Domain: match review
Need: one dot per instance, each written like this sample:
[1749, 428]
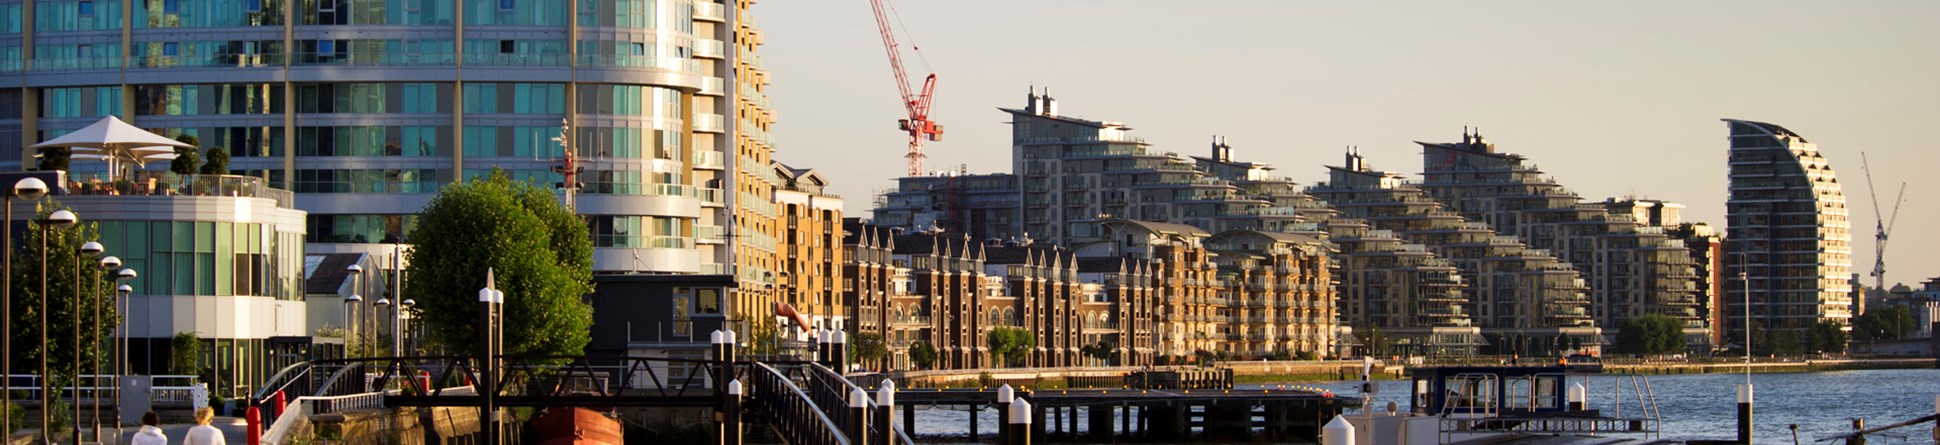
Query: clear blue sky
[1611, 98]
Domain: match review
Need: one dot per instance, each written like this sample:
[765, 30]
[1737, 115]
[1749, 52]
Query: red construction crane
[918, 125]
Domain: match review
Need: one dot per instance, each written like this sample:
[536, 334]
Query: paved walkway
[232, 431]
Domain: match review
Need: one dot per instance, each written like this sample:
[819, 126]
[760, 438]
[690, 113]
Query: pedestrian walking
[151, 431]
[203, 433]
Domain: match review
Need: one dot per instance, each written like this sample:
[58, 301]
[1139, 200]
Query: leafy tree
[1827, 337]
[868, 348]
[1885, 323]
[96, 285]
[1105, 351]
[923, 354]
[55, 158]
[538, 251]
[186, 158]
[185, 354]
[1376, 342]
[1652, 334]
[217, 162]
[1010, 344]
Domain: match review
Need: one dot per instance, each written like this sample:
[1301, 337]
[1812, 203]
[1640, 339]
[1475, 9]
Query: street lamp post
[61, 218]
[88, 250]
[94, 339]
[398, 329]
[350, 307]
[30, 189]
[382, 303]
[122, 292]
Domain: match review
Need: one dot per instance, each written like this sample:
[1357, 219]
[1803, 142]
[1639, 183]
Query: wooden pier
[1138, 415]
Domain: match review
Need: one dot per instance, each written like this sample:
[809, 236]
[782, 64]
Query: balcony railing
[170, 184]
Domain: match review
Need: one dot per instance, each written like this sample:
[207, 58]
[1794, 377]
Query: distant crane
[1884, 224]
[918, 124]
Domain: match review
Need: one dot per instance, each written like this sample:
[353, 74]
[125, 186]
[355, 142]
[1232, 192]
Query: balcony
[710, 160]
[709, 49]
[709, 123]
[710, 12]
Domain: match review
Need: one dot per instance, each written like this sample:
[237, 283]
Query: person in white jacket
[203, 433]
[151, 431]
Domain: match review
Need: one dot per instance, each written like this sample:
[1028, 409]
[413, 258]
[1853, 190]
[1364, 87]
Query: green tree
[1653, 334]
[217, 162]
[185, 354]
[868, 348]
[1010, 344]
[923, 354]
[96, 286]
[55, 158]
[187, 160]
[1376, 342]
[1827, 337]
[538, 251]
[1105, 351]
[1884, 323]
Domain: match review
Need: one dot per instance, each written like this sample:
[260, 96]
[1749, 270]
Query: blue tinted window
[254, 5]
[170, 49]
[508, 5]
[172, 6]
[86, 8]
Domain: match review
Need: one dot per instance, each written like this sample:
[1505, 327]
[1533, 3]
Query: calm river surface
[1694, 406]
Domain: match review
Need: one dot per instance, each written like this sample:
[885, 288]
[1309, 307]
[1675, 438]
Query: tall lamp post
[30, 189]
[60, 218]
[122, 293]
[88, 250]
[95, 341]
[382, 303]
[350, 307]
[398, 329]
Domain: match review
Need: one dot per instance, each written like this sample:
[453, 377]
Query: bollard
[1337, 432]
[839, 351]
[731, 426]
[1019, 423]
[822, 347]
[1004, 396]
[254, 432]
[1744, 413]
[1858, 425]
[885, 409]
[280, 403]
[859, 411]
[1579, 396]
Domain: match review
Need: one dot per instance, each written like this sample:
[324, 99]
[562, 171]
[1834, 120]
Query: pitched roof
[326, 274]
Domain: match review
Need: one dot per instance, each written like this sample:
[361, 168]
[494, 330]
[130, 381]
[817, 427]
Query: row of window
[215, 99]
[408, 141]
[207, 258]
[86, 15]
[360, 228]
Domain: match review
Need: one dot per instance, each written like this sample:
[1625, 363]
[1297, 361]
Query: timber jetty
[1162, 405]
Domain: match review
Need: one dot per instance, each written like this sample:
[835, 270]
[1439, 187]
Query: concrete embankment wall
[1799, 366]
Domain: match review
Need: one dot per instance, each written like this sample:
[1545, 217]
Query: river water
[1693, 406]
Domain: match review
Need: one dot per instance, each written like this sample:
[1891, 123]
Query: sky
[1612, 99]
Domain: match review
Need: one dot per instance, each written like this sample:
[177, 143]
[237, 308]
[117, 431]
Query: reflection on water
[1693, 406]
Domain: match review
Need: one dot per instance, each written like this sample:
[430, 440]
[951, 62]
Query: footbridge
[802, 402]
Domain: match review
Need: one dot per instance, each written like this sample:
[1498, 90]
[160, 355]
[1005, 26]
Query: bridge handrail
[792, 413]
[820, 375]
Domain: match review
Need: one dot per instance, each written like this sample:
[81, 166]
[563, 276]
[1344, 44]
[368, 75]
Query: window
[507, 46]
[86, 8]
[507, 5]
[172, 6]
[254, 5]
[326, 47]
[170, 49]
[322, 5]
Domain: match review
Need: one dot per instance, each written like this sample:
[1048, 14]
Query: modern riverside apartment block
[1510, 289]
[1787, 235]
[1632, 268]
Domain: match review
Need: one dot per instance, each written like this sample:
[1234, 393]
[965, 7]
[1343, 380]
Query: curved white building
[1787, 232]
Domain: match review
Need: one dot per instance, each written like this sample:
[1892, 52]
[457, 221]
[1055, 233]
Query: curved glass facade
[1788, 232]
[339, 100]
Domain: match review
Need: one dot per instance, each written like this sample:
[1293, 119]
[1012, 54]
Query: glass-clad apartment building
[1787, 233]
[217, 256]
[364, 108]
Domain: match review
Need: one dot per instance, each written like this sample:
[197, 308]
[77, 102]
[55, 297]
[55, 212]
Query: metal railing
[791, 411]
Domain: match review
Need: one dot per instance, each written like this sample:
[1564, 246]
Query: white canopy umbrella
[112, 140]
